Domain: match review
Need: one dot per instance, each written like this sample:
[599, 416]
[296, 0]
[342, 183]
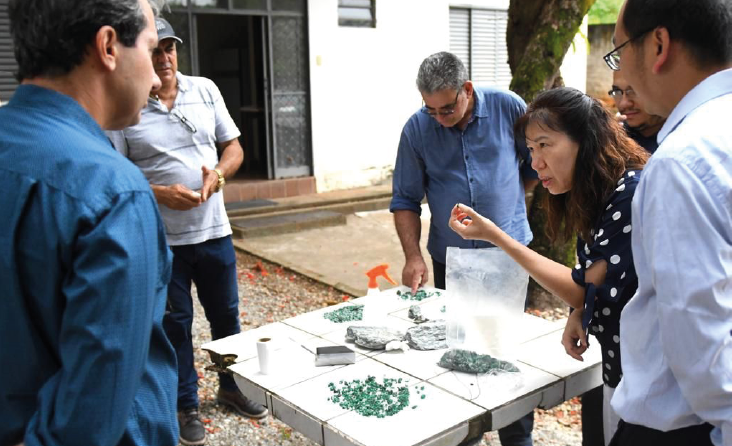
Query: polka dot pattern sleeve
[611, 241]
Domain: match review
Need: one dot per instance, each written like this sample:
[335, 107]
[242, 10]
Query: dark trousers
[211, 265]
[635, 435]
[592, 428]
[517, 433]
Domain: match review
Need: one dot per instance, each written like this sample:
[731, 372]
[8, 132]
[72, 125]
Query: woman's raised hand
[470, 225]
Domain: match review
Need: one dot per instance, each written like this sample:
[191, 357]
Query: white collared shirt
[676, 331]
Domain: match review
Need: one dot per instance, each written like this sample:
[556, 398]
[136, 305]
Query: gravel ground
[268, 293]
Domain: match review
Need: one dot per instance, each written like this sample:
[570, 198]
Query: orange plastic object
[377, 271]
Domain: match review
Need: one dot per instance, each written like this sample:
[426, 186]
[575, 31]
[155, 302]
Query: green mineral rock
[472, 362]
[418, 296]
[345, 314]
[371, 398]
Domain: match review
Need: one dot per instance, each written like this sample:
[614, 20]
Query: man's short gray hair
[441, 71]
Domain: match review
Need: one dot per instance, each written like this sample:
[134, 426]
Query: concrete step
[347, 201]
[261, 217]
[283, 223]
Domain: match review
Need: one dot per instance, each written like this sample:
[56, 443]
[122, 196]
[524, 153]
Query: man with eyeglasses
[186, 145]
[460, 148]
[642, 126]
[676, 333]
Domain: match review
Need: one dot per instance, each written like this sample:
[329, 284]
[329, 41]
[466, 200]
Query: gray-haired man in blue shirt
[460, 148]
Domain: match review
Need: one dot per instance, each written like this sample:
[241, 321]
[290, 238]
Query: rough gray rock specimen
[415, 312]
[472, 362]
[374, 338]
[428, 336]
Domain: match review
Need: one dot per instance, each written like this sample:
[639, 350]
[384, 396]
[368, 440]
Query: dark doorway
[231, 53]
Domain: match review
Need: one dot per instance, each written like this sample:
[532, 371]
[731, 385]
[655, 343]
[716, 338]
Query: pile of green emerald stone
[419, 295]
[371, 398]
[472, 362]
[345, 314]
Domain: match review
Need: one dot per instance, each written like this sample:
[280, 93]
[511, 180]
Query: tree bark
[538, 36]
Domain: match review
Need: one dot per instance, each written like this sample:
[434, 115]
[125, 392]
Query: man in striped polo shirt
[186, 145]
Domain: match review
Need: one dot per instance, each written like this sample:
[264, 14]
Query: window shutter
[489, 54]
[478, 38]
[7, 56]
[460, 35]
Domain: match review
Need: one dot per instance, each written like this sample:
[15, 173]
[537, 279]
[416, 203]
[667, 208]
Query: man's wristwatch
[222, 180]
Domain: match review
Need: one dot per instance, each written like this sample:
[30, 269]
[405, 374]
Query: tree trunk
[538, 36]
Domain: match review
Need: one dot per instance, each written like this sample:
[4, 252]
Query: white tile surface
[438, 412]
[244, 344]
[547, 353]
[388, 301]
[530, 327]
[297, 392]
[533, 327]
[492, 392]
[421, 364]
[290, 365]
[312, 396]
[375, 311]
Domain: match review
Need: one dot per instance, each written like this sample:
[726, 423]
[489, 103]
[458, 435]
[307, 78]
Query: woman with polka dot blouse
[590, 168]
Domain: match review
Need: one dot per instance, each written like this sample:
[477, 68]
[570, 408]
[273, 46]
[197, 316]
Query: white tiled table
[458, 406]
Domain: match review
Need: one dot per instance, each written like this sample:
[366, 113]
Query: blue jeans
[517, 433]
[211, 265]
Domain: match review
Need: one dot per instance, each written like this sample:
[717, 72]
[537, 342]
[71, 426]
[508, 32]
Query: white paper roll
[264, 349]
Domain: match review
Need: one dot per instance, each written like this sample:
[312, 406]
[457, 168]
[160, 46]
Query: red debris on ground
[259, 267]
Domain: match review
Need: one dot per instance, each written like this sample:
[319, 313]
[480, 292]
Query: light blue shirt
[675, 338]
[479, 166]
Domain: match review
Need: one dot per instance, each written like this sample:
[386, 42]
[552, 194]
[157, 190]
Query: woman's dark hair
[605, 153]
[704, 26]
[51, 38]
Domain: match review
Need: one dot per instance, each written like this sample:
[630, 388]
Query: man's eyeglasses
[445, 111]
[183, 120]
[617, 94]
[612, 59]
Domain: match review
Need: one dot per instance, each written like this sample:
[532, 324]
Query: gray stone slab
[373, 338]
[249, 204]
[244, 227]
[428, 336]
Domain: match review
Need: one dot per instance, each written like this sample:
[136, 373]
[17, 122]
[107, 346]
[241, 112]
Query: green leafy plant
[604, 12]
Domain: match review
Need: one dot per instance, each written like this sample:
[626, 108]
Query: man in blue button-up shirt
[84, 266]
[460, 148]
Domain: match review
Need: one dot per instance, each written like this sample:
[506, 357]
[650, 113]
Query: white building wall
[362, 83]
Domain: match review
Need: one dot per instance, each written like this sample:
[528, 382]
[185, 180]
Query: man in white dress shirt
[677, 351]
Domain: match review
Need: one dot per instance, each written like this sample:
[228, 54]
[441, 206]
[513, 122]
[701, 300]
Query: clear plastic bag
[487, 292]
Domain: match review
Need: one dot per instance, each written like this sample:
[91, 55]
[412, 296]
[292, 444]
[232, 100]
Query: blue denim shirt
[482, 166]
[84, 269]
